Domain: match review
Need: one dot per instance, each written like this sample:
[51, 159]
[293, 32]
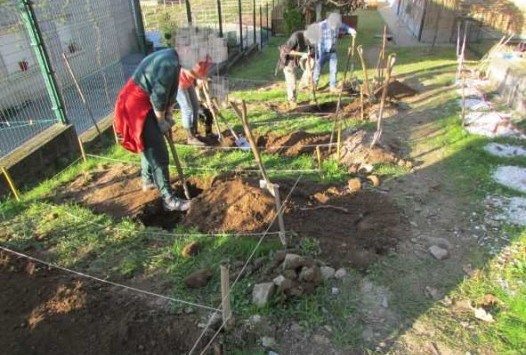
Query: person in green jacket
[143, 116]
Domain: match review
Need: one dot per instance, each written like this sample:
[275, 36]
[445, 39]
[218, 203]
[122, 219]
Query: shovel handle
[178, 165]
[248, 133]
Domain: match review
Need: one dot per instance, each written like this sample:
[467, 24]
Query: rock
[384, 302]
[215, 320]
[321, 339]
[198, 278]
[272, 353]
[279, 257]
[432, 292]
[340, 273]
[311, 274]
[354, 184]
[255, 319]
[279, 280]
[294, 261]
[335, 291]
[261, 293]
[480, 313]
[327, 272]
[290, 274]
[438, 252]
[268, 342]
[190, 249]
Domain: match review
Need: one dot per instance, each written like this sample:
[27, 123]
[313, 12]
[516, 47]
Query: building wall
[497, 16]
[440, 22]
[506, 16]
[89, 41]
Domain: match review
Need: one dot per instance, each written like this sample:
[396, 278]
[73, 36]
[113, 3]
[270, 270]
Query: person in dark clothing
[143, 115]
[295, 53]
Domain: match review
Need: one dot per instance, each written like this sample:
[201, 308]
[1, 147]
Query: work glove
[166, 125]
[352, 32]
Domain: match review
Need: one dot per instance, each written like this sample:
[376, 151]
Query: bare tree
[311, 9]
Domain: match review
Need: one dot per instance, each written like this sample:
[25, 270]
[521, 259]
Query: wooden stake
[390, 63]
[359, 49]
[272, 188]
[318, 155]
[115, 135]
[361, 104]
[339, 146]
[225, 297]
[81, 145]
[82, 97]
[11, 183]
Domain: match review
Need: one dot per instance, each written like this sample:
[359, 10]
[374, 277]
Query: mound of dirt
[116, 189]
[295, 143]
[397, 90]
[353, 229]
[231, 206]
[45, 311]
[356, 150]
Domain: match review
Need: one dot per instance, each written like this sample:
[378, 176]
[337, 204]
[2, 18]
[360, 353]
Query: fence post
[271, 18]
[266, 32]
[220, 17]
[37, 42]
[188, 12]
[139, 25]
[254, 20]
[240, 26]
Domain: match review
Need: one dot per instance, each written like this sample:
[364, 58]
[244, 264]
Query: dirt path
[45, 311]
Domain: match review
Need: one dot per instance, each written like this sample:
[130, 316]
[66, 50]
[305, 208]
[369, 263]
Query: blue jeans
[333, 67]
[189, 105]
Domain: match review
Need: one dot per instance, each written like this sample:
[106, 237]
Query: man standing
[143, 116]
[296, 50]
[188, 100]
[330, 29]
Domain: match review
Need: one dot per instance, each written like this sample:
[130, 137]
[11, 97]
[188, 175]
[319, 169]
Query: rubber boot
[208, 131]
[192, 139]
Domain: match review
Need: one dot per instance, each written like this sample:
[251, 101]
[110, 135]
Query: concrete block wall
[40, 158]
[510, 82]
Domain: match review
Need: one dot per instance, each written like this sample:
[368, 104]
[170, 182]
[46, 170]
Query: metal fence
[241, 22]
[96, 38]
[51, 49]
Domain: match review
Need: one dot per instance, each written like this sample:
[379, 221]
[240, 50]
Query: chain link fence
[91, 42]
[242, 23]
[67, 59]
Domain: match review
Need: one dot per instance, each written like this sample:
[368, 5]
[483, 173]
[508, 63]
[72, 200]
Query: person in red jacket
[188, 100]
[143, 115]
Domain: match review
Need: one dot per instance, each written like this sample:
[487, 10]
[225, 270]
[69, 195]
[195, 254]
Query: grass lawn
[125, 250]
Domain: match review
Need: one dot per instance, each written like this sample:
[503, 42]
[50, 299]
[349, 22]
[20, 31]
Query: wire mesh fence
[92, 47]
[94, 38]
[25, 109]
[242, 23]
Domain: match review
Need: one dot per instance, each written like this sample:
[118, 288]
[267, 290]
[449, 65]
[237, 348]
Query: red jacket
[131, 110]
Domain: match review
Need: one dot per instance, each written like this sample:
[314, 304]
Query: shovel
[178, 167]
[241, 142]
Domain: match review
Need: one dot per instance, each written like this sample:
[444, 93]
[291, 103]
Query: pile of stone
[296, 275]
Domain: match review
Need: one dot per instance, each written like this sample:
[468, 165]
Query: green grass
[122, 250]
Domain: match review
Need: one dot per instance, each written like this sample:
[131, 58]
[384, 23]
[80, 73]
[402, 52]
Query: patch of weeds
[310, 246]
[390, 170]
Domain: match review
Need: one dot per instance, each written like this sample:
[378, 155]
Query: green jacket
[158, 75]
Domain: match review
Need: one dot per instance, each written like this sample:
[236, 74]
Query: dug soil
[353, 229]
[294, 144]
[45, 311]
